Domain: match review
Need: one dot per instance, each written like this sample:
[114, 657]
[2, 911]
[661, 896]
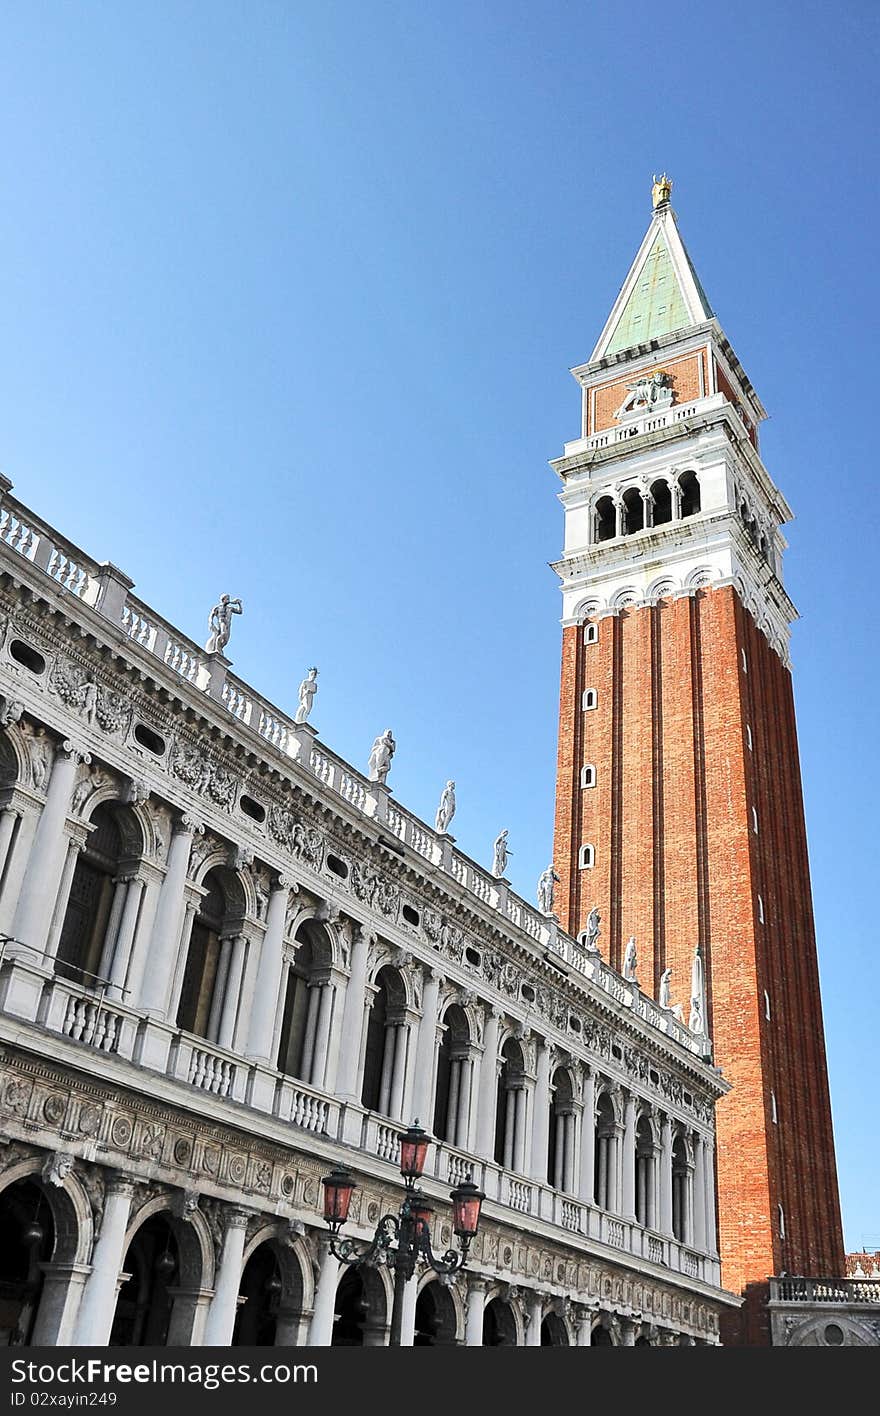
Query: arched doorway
[146, 1297]
[256, 1322]
[360, 1315]
[499, 1324]
[554, 1332]
[601, 1337]
[435, 1317]
[27, 1239]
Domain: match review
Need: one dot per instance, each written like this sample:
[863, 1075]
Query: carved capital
[186, 825]
[72, 752]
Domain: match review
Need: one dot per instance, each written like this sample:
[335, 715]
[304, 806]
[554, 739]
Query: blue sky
[289, 293]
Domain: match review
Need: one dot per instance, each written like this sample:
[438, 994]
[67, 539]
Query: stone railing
[103, 586]
[647, 422]
[825, 1290]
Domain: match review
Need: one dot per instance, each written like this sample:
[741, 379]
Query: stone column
[398, 1074]
[629, 1331]
[321, 1329]
[45, 866]
[541, 1115]
[232, 992]
[320, 1051]
[584, 1327]
[533, 1330]
[476, 1303]
[619, 517]
[520, 1124]
[709, 1172]
[353, 1018]
[463, 1102]
[120, 890]
[98, 1305]
[699, 1207]
[54, 937]
[628, 1177]
[166, 926]
[125, 937]
[488, 1090]
[8, 818]
[59, 1304]
[586, 1187]
[262, 1020]
[614, 1153]
[665, 1225]
[424, 1079]
[224, 1304]
[569, 1131]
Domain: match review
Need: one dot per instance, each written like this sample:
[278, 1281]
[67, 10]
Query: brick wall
[678, 861]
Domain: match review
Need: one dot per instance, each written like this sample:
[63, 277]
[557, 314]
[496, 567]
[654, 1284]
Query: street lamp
[401, 1239]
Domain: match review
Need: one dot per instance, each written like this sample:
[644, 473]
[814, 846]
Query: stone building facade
[230, 961]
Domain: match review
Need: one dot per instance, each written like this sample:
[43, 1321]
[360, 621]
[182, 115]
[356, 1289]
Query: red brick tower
[679, 810]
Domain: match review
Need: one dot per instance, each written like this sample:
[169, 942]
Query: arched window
[606, 1149]
[646, 1174]
[215, 961]
[91, 918]
[586, 857]
[385, 1054]
[591, 634]
[308, 1006]
[510, 1110]
[454, 1074]
[690, 493]
[561, 1139]
[588, 775]
[605, 524]
[590, 699]
[661, 494]
[681, 1224]
[633, 511]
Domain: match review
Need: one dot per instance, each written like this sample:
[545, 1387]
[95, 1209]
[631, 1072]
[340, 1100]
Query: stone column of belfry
[680, 629]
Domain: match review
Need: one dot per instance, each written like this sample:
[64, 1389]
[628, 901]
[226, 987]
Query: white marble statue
[501, 855]
[592, 931]
[381, 755]
[307, 690]
[546, 882]
[665, 981]
[630, 960]
[220, 623]
[446, 809]
[697, 1014]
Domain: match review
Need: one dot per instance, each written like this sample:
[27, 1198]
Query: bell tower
[679, 809]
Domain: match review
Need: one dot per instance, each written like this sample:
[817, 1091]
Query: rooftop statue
[501, 855]
[592, 931]
[665, 980]
[380, 756]
[446, 809]
[307, 690]
[630, 960]
[220, 623]
[546, 882]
